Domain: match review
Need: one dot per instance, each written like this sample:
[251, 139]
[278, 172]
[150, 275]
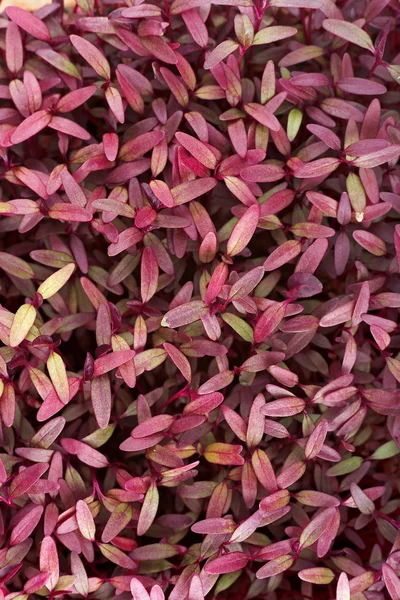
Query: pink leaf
[380, 157]
[85, 520]
[14, 48]
[199, 150]
[285, 407]
[349, 32]
[92, 55]
[69, 128]
[138, 590]
[317, 168]
[214, 526]
[149, 509]
[26, 479]
[272, 34]
[159, 48]
[275, 566]
[140, 145]
[162, 192]
[229, 563]
[219, 53]
[31, 126]
[266, 173]
[326, 135]
[282, 255]
[392, 582]
[343, 588]
[184, 314]
[269, 321]
[101, 398]
[243, 230]
[179, 360]
[49, 561]
[316, 439]
[370, 242]
[29, 23]
[357, 85]
[262, 115]
[148, 274]
[153, 425]
[70, 213]
[26, 525]
[185, 192]
[196, 27]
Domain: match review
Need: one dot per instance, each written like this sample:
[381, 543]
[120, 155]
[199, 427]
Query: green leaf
[240, 326]
[388, 450]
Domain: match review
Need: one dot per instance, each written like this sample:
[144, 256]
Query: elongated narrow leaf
[29, 23]
[243, 230]
[58, 375]
[85, 520]
[349, 32]
[92, 55]
[119, 519]
[148, 510]
[22, 323]
[26, 479]
[273, 34]
[234, 561]
[261, 114]
[31, 126]
[140, 145]
[49, 562]
[219, 53]
[55, 282]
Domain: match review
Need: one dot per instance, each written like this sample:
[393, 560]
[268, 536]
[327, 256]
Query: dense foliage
[200, 293]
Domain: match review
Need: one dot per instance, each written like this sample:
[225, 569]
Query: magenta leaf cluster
[200, 294]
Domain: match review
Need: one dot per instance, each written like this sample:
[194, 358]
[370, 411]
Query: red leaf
[184, 314]
[92, 55]
[26, 525]
[269, 321]
[229, 563]
[70, 213]
[282, 255]
[140, 145]
[101, 398]
[149, 509]
[317, 168]
[349, 32]
[31, 126]
[392, 582]
[48, 561]
[266, 173]
[179, 360]
[148, 274]
[275, 566]
[185, 192]
[152, 426]
[219, 53]
[159, 48]
[26, 479]
[75, 99]
[199, 150]
[69, 128]
[243, 230]
[14, 48]
[262, 115]
[29, 23]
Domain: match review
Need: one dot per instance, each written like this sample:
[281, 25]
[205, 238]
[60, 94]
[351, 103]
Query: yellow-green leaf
[22, 322]
[240, 326]
[56, 281]
[58, 376]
